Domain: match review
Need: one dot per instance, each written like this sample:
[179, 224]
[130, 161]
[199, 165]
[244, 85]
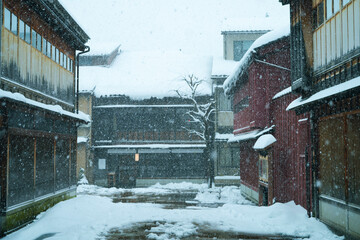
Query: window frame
[7, 19]
[22, 36]
[13, 16]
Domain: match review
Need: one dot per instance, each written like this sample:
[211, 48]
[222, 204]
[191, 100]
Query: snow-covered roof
[146, 25]
[142, 75]
[340, 88]
[53, 108]
[103, 48]
[222, 67]
[223, 136]
[265, 39]
[249, 135]
[249, 24]
[282, 93]
[146, 106]
[153, 146]
[264, 141]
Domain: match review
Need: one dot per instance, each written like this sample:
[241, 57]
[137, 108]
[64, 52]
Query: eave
[52, 12]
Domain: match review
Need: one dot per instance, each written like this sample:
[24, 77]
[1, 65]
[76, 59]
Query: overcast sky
[190, 26]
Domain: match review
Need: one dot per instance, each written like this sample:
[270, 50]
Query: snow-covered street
[172, 211]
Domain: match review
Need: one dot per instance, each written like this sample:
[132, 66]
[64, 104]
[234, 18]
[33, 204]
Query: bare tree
[202, 115]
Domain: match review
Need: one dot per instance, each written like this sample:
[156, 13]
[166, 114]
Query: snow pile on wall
[267, 38]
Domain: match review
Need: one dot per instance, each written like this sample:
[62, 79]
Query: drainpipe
[87, 49]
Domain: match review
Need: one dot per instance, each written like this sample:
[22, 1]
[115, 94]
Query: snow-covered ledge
[53, 108]
[340, 88]
[264, 141]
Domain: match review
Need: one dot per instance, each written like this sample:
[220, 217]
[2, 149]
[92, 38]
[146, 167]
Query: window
[71, 66]
[13, 24]
[332, 7]
[264, 168]
[53, 53]
[61, 59]
[27, 34]
[240, 48]
[48, 49]
[33, 38]
[318, 15]
[21, 29]
[7, 19]
[56, 55]
[67, 62]
[102, 163]
[38, 42]
[44, 48]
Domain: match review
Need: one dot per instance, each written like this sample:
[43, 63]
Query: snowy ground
[94, 214]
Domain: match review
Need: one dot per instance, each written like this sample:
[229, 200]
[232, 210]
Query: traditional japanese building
[272, 168]
[38, 123]
[325, 57]
[139, 125]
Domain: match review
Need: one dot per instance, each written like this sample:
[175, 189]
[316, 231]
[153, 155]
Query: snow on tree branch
[201, 113]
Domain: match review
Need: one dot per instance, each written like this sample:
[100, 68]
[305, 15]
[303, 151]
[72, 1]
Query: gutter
[87, 49]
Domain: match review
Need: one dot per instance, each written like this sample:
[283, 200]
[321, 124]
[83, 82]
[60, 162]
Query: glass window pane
[336, 6]
[329, 7]
[65, 61]
[33, 38]
[44, 46]
[61, 58]
[321, 13]
[246, 45]
[48, 49]
[53, 53]
[14, 24]
[22, 29]
[237, 50]
[38, 42]
[27, 33]
[71, 65]
[57, 55]
[7, 17]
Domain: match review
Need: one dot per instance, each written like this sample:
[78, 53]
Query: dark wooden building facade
[142, 142]
[325, 57]
[37, 104]
[275, 170]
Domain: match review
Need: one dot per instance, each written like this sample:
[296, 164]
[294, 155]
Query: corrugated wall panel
[351, 26]
[345, 32]
[338, 35]
[328, 42]
[357, 23]
[333, 34]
